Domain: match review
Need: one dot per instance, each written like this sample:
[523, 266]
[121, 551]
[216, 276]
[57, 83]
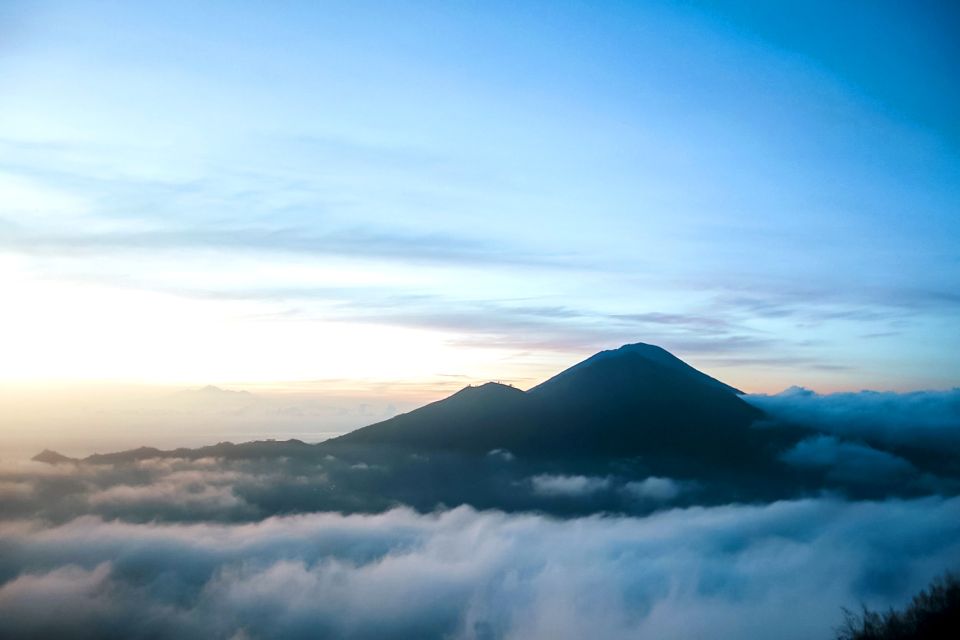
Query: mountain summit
[638, 400]
[648, 352]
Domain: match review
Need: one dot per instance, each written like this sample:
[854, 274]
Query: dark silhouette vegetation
[933, 614]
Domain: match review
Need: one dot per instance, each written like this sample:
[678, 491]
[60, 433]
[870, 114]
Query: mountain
[257, 449]
[52, 457]
[638, 400]
[475, 419]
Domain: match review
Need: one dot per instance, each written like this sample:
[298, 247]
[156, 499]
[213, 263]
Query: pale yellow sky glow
[56, 332]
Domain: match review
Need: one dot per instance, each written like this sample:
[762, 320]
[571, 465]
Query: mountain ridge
[616, 403]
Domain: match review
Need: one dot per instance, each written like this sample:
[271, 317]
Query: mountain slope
[475, 419]
[640, 400]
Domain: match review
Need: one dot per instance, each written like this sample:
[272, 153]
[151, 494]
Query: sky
[383, 200]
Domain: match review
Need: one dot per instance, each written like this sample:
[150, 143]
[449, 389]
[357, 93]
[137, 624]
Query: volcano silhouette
[638, 400]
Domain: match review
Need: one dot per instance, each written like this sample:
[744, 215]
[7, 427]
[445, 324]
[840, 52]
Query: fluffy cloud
[211, 547]
[563, 485]
[921, 418]
[856, 462]
[654, 488]
[721, 572]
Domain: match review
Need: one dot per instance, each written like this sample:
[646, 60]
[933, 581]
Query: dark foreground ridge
[630, 429]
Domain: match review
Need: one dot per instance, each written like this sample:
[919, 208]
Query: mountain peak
[473, 418]
[489, 388]
[214, 390]
[649, 351]
[484, 393]
[659, 357]
[49, 456]
[644, 349]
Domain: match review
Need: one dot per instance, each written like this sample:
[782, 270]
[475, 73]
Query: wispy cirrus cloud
[355, 243]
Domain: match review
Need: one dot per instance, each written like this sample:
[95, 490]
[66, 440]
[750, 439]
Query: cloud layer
[921, 418]
[723, 572]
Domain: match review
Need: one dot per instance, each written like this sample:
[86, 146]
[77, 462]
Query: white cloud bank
[654, 488]
[549, 484]
[919, 418]
[781, 570]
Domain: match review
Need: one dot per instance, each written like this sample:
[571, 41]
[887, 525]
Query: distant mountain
[638, 400]
[212, 390]
[52, 457]
[243, 451]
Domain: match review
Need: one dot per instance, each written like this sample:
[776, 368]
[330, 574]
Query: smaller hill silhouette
[52, 457]
[476, 419]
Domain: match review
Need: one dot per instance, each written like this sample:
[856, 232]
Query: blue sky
[361, 193]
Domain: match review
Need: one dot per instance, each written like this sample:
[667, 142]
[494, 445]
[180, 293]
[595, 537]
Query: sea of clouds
[210, 568]
[237, 549]
[918, 418]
